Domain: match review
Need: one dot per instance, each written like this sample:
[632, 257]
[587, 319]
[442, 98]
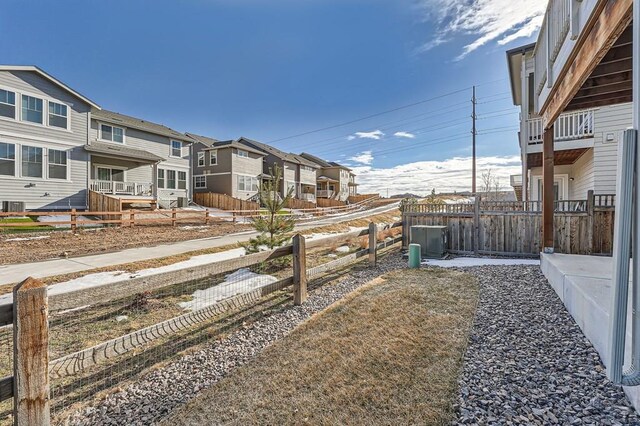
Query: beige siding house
[585, 140]
[134, 157]
[333, 180]
[43, 131]
[226, 167]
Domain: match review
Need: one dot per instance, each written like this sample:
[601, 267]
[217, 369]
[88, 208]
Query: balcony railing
[569, 126]
[554, 30]
[308, 197]
[121, 188]
[325, 193]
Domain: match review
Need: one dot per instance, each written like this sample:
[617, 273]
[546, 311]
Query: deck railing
[325, 193]
[122, 188]
[569, 126]
[553, 33]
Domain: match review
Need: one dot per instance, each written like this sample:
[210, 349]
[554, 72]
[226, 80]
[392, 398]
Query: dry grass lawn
[389, 353]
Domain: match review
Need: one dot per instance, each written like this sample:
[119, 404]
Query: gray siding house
[226, 167]
[298, 172]
[134, 157]
[43, 131]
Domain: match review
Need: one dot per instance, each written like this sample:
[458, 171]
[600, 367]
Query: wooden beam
[299, 270]
[31, 354]
[611, 68]
[600, 102]
[611, 19]
[621, 89]
[547, 191]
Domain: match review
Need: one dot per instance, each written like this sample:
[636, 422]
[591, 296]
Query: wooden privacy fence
[328, 202]
[223, 201]
[294, 203]
[362, 197]
[507, 228]
[28, 314]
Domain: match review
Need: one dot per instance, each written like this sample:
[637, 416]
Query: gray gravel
[154, 396]
[528, 362]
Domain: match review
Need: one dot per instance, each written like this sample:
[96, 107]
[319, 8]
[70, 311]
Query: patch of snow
[196, 227]
[461, 262]
[40, 237]
[241, 281]
[67, 218]
[121, 318]
[79, 308]
[343, 249]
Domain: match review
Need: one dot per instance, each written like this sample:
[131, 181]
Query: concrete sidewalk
[15, 273]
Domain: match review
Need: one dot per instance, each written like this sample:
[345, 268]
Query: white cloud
[404, 135]
[486, 20]
[453, 174]
[376, 134]
[364, 157]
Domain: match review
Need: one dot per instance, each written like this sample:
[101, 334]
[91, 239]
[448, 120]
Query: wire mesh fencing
[104, 335]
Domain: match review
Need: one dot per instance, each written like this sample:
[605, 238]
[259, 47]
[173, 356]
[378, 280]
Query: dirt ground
[389, 353]
[20, 247]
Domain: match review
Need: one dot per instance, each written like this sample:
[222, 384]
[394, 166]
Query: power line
[370, 116]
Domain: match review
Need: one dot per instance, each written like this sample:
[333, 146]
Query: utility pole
[473, 141]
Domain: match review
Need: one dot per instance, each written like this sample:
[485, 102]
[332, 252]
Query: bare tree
[490, 186]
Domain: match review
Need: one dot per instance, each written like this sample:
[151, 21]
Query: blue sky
[272, 69]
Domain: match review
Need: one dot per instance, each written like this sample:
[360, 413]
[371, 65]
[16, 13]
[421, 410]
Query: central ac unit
[13, 206]
[432, 240]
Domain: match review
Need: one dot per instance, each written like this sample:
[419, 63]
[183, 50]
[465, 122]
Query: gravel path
[152, 398]
[528, 361]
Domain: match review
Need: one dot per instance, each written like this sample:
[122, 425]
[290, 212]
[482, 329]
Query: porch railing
[553, 33]
[308, 197]
[569, 126]
[122, 188]
[325, 193]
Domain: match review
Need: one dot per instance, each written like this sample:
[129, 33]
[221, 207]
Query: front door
[110, 174]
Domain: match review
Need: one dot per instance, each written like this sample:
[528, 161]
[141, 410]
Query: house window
[171, 179]
[160, 178]
[57, 164]
[307, 168]
[242, 153]
[213, 157]
[247, 183]
[31, 109]
[176, 149]
[182, 180]
[201, 159]
[7, 104]
[58, 115]
[200, 181]
[111, 133]
[109, 174]
[7, 159]
[31, 161]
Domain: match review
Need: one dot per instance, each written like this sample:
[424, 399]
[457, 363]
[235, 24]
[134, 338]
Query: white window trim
[213, 153]
[195, 185]
[68, 117]
[110, 167]
[15, 104]
[45, 109]
[238, 151]
[124, 133]
[563, 179]
[67, 166]
[16, 168]
[42, 166]
[238, 175]
[185, 180]
[201, 156]
[171, 148]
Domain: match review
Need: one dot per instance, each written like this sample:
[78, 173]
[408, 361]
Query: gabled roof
[122, 151]
[268, 149]
[211, 143]
[139, 124]
[33, 68]
[323, 163]
[334, 164]
[514, 60]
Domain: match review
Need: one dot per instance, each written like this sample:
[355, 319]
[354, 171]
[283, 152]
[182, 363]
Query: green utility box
[432, 240]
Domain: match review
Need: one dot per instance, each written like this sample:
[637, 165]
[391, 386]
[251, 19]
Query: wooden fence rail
[501, 228]
[223, 201]
[29, 315]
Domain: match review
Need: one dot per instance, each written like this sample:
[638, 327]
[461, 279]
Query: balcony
[121, 188]
[308, 197]
[570, 126]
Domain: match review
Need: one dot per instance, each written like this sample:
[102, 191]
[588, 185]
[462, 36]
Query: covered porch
[307, 192]
[122, 171]
[326, 187]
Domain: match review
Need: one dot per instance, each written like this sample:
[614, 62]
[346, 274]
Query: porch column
[547, 190]
[154, 180]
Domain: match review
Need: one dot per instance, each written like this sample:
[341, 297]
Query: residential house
[333, 180]
[585, 138]
[44, 128]
[134, 157]
[298, 173]
[226, 167]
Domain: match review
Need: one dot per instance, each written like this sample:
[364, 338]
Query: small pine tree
[272, 225]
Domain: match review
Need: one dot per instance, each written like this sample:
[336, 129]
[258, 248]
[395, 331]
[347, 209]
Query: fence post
[73, 220]
[476, 225]
[373, 243]
[299, 270]
[30, 354]
[173, 216]
[206, 217]
[132, 218]
[590, 206]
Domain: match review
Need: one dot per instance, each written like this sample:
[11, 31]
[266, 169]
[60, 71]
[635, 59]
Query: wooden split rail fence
[514, 228]
[28, 314]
